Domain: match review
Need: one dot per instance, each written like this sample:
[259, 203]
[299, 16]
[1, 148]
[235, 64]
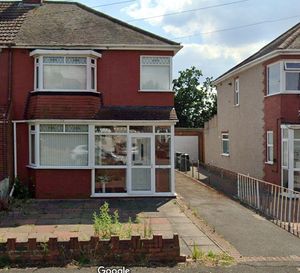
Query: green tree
[195, 103]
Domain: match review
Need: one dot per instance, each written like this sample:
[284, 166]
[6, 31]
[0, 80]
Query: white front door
[141, 171]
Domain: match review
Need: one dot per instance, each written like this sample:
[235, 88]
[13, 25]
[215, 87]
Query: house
[257, 129]
[87, 103]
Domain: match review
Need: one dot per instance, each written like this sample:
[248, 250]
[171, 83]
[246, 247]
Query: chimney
[32, 2]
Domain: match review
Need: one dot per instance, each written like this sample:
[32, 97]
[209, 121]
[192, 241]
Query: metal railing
[278, 204]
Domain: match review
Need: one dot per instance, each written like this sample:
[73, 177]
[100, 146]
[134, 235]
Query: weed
[83, 260]
[137, 220]
[197, 254]
[194, 211]
[21, 191]
[45, 248]
[4, 261]
[147, 229]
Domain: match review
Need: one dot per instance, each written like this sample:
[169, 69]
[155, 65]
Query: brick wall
[104, 252]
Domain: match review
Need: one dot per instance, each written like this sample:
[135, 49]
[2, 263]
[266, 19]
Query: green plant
[129, 228]
[197, 254]
[103, 222]
[147, 229]
[4, 261]
[137, 220]
[21, 191]
[45, 248]
[82, 260]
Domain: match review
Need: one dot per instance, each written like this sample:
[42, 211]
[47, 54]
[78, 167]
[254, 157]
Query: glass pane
[141, 179]
[292, 65]
[51, 128]
[76, 60]
[110, 129]
[77, 128]
[93, 76]
[163, 180]
[64, 150]
[54, 60]
[140, 129]
[110, 150]
[155, 78]
[296, 134]
[32, 144]
[225, 147]
[296, 181]
[274, 79]
[297, 154]
[141, 151]
[162, 129]
[162, 150]
[108, 181]
[225, 136]
[285, 178]
[270, 137]
[63, 77]
[270, 154]
[292, 81]
[156, 60]
[285, 153]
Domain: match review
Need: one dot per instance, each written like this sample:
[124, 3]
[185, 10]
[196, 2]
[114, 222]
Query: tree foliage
[195, 103]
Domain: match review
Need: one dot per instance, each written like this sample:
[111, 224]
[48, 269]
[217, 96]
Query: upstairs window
[292, 76]
[236, 92]
[64, 70]
[156, 73]
[273, 78]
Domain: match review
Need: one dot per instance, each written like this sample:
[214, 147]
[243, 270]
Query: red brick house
[257, 129]
[86, 101]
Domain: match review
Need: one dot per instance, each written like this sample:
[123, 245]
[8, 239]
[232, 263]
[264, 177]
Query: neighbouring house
[257, 128]
[86, 101]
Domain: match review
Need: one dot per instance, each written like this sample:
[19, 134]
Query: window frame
[222, 141]
[236, 92]
[269, 145]
[170, 74]
[283, 71]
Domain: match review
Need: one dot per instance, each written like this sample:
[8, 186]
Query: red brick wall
[62, 184]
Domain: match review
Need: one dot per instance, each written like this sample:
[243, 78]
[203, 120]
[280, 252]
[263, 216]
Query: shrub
[21, 190]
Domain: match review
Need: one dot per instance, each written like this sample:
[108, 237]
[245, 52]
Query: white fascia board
[104, 122]
[39, 52]
[174, 48]
[257, 61]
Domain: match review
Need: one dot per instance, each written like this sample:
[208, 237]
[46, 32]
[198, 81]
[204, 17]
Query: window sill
[236, 105]
[283, 93]
[227, 155]
[59, 167]
[269, 163]
[65, 91]
[157, 91]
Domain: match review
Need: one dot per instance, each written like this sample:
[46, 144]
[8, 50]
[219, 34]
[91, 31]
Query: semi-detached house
[86, 101]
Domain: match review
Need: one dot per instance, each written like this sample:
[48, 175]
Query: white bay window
[156, 73]
[65, 70]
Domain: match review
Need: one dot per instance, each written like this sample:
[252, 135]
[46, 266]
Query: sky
[215, 34]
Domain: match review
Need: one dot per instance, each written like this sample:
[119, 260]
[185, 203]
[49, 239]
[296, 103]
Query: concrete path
[250, 234]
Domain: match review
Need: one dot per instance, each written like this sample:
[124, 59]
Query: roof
[288, 40]
[137, 113]
[57, 23]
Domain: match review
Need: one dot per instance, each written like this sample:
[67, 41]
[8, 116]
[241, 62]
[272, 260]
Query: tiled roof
[12, 16]
[137, 113]
[288, 40]
[58, 23]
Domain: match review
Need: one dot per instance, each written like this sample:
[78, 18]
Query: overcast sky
[208, 48]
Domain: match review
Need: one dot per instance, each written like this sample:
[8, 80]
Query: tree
[195, 103]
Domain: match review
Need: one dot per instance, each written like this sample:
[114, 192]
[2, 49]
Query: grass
[211, 258]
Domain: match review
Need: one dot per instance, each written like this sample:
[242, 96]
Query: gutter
[246, 66]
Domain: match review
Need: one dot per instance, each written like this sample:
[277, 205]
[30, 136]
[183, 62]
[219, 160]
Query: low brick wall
[104, 252]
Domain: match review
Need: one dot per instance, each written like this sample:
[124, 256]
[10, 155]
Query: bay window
[64, 70]
[283, 77]
[155, 73]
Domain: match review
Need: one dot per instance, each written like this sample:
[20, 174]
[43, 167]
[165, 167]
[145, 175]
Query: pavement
[64, 219]
[254, 237]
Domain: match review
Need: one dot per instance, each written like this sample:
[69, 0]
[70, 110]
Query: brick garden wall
[100, 252]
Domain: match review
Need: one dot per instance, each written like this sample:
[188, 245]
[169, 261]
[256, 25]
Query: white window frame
[91, 58]
[283, 71]
[141, 74]
[225, 140]
[237, 92]
[271, 146]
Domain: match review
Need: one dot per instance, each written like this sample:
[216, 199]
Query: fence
[278, 204]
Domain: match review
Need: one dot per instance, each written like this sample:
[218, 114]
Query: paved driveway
[65, 219]
[249, 233]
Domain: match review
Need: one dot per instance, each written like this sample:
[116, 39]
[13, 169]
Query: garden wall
[94, 251]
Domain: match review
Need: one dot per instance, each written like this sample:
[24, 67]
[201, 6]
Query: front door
[141, 171]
